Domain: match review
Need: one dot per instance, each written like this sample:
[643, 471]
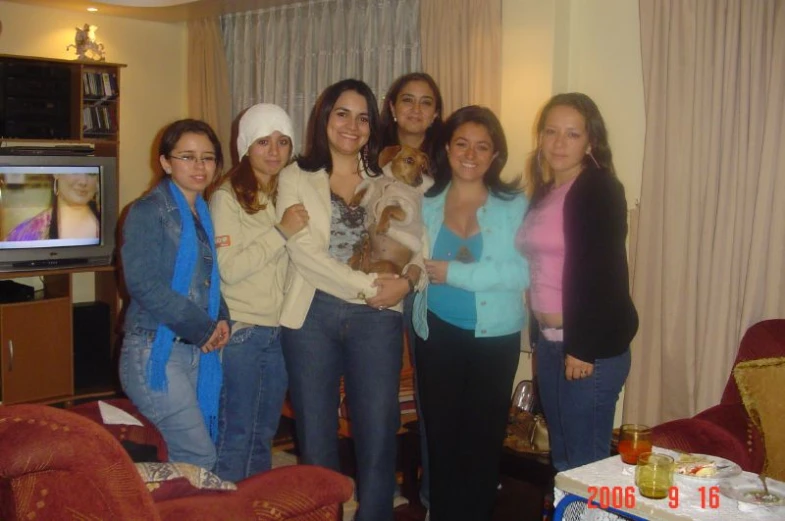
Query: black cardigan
[600, 319]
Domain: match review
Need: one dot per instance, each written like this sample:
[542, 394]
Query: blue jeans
[579, 413]
[254, 388]
[175, 411]
[364, 345]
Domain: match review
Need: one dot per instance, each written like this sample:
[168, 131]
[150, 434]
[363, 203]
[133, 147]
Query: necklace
[463, 255]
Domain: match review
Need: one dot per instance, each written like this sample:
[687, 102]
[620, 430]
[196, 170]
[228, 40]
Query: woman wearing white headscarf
[252, 262]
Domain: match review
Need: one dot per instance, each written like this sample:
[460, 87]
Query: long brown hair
[247, 187]
[539, 177]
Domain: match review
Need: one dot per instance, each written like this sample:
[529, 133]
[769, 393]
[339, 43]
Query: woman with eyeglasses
[176, 319]
[252, 261]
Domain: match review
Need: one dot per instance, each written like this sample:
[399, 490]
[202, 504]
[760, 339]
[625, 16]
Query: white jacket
[252, 259]
[312, 267]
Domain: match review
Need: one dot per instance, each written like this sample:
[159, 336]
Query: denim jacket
[151, 236]
[498, 279]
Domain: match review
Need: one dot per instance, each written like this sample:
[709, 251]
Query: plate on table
[749, 489]
[705, 467]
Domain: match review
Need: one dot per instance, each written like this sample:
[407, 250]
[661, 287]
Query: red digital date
[615, 497]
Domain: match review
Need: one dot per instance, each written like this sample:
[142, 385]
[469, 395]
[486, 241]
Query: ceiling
[158, 10]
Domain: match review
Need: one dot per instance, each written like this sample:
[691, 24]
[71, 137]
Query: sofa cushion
[760, 384]
[173, 480]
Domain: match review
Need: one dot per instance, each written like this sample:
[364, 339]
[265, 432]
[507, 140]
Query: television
[57, 211]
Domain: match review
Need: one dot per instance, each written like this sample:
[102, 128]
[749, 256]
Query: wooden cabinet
[45, 103]
[37, 361]
[36, 338]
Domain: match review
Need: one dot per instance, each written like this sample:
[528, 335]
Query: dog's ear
[425, 168]
[388, 154]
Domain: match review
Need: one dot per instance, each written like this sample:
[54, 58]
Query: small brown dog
[393, 204]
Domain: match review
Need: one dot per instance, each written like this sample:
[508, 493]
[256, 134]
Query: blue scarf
[208, 386]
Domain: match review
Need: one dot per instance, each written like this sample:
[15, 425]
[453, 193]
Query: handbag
[527, 432]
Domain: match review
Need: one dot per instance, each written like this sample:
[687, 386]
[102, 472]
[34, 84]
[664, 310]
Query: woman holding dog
[574, 237]
[252, 261]
[469, 319]
[338, 321]
[412, 115]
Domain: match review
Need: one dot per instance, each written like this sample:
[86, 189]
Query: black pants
[465, 386]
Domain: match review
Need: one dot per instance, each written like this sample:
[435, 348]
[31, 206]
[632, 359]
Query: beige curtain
[288, 54]
[710, 252]
[462, 49]
[208, 80]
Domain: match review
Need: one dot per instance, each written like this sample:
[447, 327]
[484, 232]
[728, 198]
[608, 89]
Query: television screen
[50, 206]
[54, 211]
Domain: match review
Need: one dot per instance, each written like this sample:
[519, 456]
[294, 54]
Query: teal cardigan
[498, 279]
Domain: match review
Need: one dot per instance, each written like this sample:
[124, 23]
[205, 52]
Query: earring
[395, 119]
[54, 188]
[588, 153]
[364, 154]
[539, 158]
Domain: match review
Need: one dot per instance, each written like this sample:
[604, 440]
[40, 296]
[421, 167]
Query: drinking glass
[523, 397]
[654, 475]
[634, 440]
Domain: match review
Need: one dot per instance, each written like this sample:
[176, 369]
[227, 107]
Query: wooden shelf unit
[36, 337]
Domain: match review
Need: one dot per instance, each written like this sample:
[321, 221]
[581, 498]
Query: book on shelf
[99, 84]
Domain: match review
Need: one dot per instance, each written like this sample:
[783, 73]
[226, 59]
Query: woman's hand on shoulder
[391, 290]
[294, 219]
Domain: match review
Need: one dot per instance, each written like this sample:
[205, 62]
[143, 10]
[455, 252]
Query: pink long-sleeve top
[541, 239]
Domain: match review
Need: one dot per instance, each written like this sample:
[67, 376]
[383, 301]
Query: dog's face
[409, 165]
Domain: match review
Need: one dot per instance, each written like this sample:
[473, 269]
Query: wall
[591, 46]
[153, 86]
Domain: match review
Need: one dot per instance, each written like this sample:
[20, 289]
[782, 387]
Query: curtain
[710, 247]
[287, 55]
[462, 50]
[208, 85]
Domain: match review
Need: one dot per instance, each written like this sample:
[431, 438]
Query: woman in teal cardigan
[469, 319]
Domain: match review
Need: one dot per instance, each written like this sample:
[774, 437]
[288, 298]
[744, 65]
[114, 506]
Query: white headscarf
[259, 121]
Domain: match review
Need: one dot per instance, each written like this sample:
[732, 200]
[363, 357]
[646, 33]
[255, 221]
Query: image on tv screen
[49, 206]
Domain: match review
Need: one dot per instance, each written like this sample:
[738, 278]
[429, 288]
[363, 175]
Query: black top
[600, 319]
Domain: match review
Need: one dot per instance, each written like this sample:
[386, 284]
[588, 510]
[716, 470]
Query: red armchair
[55, 464]
[726, 430]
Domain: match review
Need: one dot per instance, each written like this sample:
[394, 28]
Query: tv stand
[62, 107]
[36, 336]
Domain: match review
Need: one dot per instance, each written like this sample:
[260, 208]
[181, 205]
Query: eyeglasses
[192, 160]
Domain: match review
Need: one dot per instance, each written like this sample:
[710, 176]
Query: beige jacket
[312, 266]
[252, 259]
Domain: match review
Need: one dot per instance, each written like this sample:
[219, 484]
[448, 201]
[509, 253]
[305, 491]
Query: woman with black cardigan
[574, 238]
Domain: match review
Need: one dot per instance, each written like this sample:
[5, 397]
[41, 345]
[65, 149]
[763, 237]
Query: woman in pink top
[584, 319]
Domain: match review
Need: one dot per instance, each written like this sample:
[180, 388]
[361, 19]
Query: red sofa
[726, 430]
[56, 464]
